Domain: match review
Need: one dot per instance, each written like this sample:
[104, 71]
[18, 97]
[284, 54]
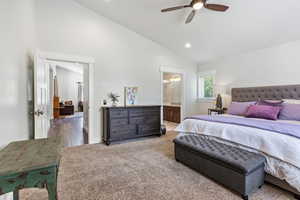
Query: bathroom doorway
[172, 98]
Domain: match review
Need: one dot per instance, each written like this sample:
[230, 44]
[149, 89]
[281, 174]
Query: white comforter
[282, 151]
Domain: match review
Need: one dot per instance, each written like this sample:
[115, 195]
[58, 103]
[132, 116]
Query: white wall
[279, 65]
[123, 58]
[67, 85]
[17, 44]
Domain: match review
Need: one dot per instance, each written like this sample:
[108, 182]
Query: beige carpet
[141, 170]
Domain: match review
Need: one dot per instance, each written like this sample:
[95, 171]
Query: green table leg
[52, 191]
[16, 195]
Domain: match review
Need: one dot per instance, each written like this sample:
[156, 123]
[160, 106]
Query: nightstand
[216, 110]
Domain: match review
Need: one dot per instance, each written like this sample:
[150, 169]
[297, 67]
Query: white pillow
[291, 101]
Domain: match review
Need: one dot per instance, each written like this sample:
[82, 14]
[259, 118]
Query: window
[206, 83]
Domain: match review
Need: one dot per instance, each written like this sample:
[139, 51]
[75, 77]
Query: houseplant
[114, 98]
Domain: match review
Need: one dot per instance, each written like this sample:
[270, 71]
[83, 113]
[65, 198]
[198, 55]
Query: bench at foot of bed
[237, 169]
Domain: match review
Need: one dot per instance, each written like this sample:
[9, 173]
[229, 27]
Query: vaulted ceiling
[248, 24]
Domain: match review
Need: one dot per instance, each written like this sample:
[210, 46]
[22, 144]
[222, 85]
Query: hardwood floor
[71, 128]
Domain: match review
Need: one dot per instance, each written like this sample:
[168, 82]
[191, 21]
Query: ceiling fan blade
[190, 17]
[175, 8]
[216, 7]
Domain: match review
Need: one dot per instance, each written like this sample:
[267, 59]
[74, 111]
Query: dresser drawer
[118, 113]
[145, 120]
[149, 129]
[119, 122]
[123, 132]
[143, 112]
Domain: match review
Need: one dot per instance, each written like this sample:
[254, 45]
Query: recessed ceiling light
[188, 45]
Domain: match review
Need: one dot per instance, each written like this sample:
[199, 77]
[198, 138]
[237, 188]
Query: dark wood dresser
[122, 123]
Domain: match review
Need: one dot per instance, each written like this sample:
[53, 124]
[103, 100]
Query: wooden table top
[30, 155]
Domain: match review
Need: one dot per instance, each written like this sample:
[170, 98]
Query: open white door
[41, 97]
[42, 94]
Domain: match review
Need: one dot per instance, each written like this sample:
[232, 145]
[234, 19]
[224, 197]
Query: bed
[282, 150]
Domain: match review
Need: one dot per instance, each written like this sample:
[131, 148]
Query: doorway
[172, 84]
[67, 99]
[63, 101]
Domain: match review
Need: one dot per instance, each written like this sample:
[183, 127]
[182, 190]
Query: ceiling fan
[197, 5]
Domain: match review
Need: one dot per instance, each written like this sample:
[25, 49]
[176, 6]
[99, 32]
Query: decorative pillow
[290, 112]
[263, 112]
[270, 102]
[291, 101]
[239, 108]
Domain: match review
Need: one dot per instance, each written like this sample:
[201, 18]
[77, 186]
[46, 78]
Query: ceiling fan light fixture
[198, 5]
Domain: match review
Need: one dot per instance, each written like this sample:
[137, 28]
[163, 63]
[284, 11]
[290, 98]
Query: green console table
[30, 164]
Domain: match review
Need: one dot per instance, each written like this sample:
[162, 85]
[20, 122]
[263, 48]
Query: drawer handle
[44, 173]
[11, 181]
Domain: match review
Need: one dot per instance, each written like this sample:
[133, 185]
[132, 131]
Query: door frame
[51, 56]
[183, 88]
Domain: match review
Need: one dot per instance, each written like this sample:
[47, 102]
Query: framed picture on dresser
[131, 95]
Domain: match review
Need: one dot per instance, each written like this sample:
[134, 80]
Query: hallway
[71, 128]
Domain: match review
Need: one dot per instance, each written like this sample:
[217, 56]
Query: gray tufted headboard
[270, 93]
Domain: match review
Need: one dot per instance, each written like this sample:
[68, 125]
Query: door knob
[41, 112]
[38, 112]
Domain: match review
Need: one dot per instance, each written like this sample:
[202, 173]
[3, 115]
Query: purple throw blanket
[268, 125]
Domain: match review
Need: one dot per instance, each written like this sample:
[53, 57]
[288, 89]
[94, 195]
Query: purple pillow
[239, 108]
[290, 112]
[270, 102]
[263, 112]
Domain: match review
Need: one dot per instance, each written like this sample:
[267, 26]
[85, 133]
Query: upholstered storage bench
[237, 169]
